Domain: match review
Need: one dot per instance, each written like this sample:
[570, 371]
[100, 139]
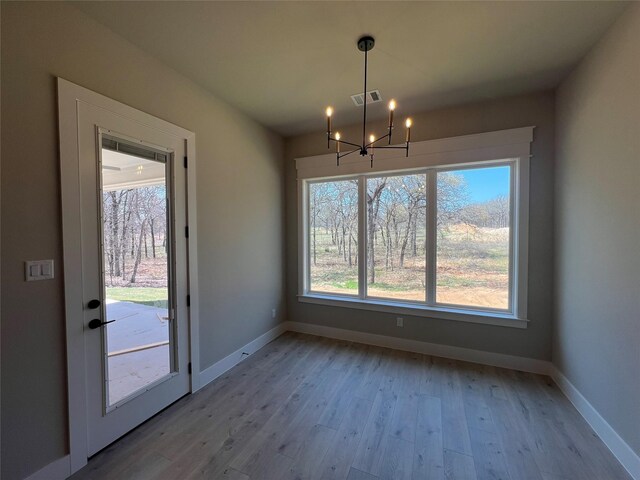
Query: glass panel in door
[136, 269]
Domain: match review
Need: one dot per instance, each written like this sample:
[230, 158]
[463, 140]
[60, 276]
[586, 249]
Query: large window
[437, 239]
[442, 232]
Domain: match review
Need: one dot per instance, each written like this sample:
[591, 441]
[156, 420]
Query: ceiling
[282, 63]
[120, 170]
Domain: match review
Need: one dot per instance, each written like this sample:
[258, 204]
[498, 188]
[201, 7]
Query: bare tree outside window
[135, 240]
[396, 237]
[333, 236]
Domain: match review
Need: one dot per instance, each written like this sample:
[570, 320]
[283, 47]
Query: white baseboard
[457, 353]
[623, 452]
[56, 470]
[209, 374]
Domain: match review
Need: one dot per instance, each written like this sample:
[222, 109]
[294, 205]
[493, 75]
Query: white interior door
[132, 234]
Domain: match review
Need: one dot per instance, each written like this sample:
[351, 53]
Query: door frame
[69, 96]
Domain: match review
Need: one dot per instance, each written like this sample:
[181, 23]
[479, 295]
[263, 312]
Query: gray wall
[535, 341]
[597, 279]
[240, 205]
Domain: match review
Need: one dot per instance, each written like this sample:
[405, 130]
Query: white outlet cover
[400, 321]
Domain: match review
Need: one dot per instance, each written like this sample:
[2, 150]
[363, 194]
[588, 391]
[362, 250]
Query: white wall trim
[192, 258]
[501, 144]
[417, 310]
[457, 353]
[209, 374]
[57, 470]
[620, 449]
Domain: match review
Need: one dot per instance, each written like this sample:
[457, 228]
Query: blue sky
[486, 183]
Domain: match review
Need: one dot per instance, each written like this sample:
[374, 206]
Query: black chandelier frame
[366, 44]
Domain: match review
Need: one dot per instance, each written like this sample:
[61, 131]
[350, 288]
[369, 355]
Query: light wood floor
[306, 407]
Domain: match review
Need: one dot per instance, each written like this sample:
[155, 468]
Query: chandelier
[365, 44]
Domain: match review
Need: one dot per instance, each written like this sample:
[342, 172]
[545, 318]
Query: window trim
[505, 147]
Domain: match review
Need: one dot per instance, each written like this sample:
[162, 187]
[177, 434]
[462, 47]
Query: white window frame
[504, 147]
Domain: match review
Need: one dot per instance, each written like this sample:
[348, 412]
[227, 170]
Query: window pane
[473, 237]
[333, 237]
[136, 272]
[396, 236]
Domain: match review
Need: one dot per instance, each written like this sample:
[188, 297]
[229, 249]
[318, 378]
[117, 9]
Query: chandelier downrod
[365, 44]
[363, 152]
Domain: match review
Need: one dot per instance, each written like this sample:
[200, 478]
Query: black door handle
[93, 304]
[96, 323]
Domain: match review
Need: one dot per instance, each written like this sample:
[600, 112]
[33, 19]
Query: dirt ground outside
[472, 270]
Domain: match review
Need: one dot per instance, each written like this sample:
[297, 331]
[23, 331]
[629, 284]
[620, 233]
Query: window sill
[460, 315]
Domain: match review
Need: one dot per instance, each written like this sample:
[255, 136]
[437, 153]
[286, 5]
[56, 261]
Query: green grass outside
[153, 297]
[349, 284]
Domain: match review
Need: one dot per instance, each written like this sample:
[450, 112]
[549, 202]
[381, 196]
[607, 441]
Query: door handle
[93, 304]
[96, 323]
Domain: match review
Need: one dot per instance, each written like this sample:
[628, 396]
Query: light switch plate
[38, 270]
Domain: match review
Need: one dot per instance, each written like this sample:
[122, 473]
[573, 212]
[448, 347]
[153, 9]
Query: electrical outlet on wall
[399, 322]
[273, 313]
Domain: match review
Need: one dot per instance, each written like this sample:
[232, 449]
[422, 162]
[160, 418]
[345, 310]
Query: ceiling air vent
[372, 97]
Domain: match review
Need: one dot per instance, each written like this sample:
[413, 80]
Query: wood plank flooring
[307, 407]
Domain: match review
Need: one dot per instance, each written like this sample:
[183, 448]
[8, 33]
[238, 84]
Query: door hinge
[186, 231]
[189, 368]
[188, 300]
[185, 161]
